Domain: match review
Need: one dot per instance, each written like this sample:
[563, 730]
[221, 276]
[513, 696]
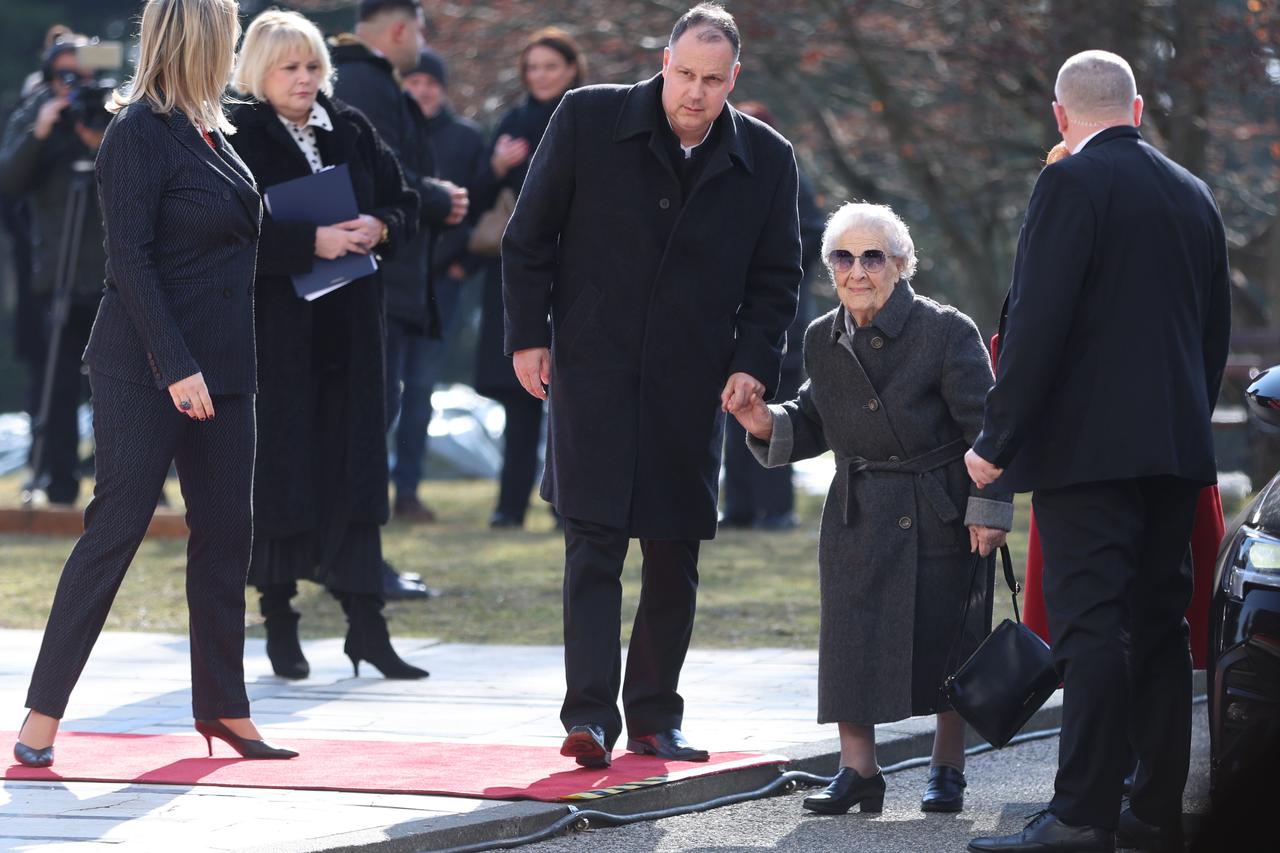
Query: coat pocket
[565, 330]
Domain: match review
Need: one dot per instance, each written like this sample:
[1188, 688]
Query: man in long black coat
[1111, 357]
[658, 229]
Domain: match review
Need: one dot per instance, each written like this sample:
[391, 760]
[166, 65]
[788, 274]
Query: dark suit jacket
[1117, 325]
[654, 298]
[181, 223]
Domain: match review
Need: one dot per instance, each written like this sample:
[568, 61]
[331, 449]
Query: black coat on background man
[461, 157]
[343, 329]
[1111, 358]
[1116, 335]
[368, 82]
[655, 298]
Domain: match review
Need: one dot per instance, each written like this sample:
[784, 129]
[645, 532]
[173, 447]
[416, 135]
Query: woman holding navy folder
[320, 483]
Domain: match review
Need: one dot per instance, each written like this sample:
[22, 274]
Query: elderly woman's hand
[755, 418]
[984, 540]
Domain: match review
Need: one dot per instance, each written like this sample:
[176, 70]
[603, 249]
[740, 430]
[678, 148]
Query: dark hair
[562, 43]
[370, 9]
[714, 17]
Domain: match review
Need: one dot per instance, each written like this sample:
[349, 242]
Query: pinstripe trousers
[138, 433]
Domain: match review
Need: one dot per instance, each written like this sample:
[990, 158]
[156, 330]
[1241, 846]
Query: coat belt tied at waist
[918, 466]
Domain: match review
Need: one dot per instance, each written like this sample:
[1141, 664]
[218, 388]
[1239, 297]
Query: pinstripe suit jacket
[181, 224]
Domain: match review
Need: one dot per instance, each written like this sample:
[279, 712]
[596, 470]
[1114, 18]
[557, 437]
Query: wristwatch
[386, 234]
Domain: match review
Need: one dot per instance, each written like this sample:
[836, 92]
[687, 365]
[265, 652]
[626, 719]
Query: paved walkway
[759, 699]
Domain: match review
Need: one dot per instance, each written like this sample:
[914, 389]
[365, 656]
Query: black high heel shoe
[28, 757]
[369, 640]
[944, 791]
[247, 748]
[847, 790]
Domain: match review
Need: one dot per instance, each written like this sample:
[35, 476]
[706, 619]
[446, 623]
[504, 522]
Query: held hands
[982, 472]
[533, 369]
[984, 540]
[191, 397]
[507, 154]
[333, 242]
[367, 228]
[461, 200]
[743, 397]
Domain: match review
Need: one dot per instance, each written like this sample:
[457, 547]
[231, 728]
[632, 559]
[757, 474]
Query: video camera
[88, 96]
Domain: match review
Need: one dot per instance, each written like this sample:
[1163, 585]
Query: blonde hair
[185, 54]
[269, 39]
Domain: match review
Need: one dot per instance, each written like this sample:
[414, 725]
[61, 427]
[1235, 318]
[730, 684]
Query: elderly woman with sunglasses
[896, 389]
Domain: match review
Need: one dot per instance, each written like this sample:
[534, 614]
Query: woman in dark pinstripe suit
[171, 364]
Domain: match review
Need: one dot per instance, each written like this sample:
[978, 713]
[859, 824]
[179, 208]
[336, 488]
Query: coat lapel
[226, 166]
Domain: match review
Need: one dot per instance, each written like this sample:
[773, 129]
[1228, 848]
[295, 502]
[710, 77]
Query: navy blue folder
[324, 198]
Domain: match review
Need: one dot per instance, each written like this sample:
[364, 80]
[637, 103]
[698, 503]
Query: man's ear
[733, 75]
[1137, 111]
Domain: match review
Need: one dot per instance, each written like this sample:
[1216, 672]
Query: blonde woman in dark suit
[171, 364]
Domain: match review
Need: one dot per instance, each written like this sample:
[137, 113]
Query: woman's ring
[185, 405]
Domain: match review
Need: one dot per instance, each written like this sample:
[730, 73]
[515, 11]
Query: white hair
[1096, 85]
[897, 237]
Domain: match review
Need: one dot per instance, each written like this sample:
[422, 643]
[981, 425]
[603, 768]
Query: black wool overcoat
[341, 331]
[653, 300]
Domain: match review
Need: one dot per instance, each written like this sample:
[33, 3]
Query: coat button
[664, 203]
[226, 195]
[905, 523]
[873, 404]
[894, 459]
[226, 293]
[877, 343]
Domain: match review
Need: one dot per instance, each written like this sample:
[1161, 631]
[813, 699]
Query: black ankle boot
[368, 639]
[283, 648]
[847, 790]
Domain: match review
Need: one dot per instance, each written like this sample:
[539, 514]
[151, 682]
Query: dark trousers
[1116, 585]
[521, 438]
[138, 433]
[594, 554]
[59, 473]
[752, 491]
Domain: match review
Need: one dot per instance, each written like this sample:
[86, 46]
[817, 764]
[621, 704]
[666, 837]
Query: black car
[1244, 627]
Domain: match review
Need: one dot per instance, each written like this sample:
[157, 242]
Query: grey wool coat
[893, 551]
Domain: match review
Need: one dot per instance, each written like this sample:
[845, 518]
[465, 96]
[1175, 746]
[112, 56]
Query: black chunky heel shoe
[847, 790]
[945, 791]
[28, 757]
[247, 748]
[284, 649]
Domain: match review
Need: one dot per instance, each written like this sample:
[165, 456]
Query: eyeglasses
[841, 260]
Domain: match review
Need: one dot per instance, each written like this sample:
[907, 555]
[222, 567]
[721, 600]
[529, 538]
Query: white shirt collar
[688, 149]
[849, 327]
[1083, 142]
[319, 118]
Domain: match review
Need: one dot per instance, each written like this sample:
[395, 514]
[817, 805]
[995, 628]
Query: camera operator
[46, 158]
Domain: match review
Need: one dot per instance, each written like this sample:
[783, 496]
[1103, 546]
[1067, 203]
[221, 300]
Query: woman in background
[551, 64]
[320, 488]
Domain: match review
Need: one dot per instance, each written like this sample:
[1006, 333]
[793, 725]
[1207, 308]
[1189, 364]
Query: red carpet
[490, 771]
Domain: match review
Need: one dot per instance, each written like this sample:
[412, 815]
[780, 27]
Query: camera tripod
[64, 281]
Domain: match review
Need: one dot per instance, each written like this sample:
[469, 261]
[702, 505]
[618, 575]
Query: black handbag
[1007, 678]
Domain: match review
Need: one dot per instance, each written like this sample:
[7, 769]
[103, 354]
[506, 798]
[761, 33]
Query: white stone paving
[758, 699]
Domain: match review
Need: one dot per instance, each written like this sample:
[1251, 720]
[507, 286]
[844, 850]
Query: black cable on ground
[580, 819]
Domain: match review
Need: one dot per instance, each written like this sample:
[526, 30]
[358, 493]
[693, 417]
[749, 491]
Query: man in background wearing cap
[387, 40]
[459, 149]
[41, 147]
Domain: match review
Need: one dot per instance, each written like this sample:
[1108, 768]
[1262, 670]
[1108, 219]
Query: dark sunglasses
[841, 260]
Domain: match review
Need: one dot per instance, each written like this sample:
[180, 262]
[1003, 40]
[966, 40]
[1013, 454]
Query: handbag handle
[1014, 589]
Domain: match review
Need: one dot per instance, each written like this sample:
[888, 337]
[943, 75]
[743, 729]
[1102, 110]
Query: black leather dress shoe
[1046, 834]
[669, 744]
[586, 745]
[1134, 833]
[945, 791]
[398, 587]
[847, 790]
